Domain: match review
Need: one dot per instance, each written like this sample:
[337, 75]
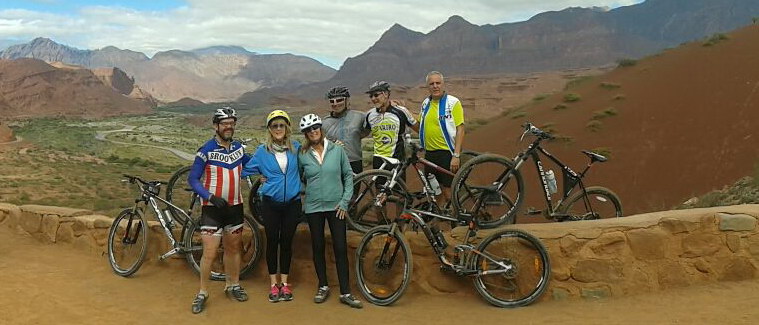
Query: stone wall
[590, 259]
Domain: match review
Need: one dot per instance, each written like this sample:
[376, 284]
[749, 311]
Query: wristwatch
[456, 155]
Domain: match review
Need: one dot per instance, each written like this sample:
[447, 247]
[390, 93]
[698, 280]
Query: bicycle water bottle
[169, 219]
[434, 184]
[551, 180]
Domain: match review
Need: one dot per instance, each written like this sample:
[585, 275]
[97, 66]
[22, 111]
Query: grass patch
[540, 97]
[571, 97]
[621, 63]
[577, 81]
[559, 107]
[610, 85]
[602, 114]
[594, 125]
[714, 39]
[619, 97]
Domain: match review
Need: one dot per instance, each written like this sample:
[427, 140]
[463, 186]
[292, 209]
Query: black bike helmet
[338, 91]
[224, 113]
[378, 86]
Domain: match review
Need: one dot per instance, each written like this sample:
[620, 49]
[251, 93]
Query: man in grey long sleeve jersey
[345, 125]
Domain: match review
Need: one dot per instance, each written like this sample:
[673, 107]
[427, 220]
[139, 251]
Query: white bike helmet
[308, 121]
[224, 113]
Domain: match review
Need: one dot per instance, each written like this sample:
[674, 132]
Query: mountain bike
[128, 235]
[510, 267]
[494, 180]
[381, 195]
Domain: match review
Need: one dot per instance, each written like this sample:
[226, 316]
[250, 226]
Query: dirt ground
[55, 284]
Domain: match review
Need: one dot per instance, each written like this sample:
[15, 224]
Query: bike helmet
[338, 91]
[308, 121]
[224, 113]
[378, 86]
[278, 113]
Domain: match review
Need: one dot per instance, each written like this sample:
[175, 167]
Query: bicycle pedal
[533, 212]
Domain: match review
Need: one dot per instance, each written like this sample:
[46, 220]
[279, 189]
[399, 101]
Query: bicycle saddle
[594, 156]
[390, 160]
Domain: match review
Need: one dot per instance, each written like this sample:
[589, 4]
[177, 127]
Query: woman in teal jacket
[329, 186]
[277, 161]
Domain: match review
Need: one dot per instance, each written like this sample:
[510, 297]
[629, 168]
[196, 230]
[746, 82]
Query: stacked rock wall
[590, 259]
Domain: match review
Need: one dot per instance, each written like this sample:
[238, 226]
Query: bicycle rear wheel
[254, 201]
[478, 192]
[363, 214]
[128, 242]
[514, 269]
[177, 193]
[250, 251]
[383, 265]
[602, 203]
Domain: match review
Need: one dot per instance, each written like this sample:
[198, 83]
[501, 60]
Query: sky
[329, 31]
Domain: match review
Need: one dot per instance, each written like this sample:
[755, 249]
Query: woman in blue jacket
[277, 161]
[329, 186]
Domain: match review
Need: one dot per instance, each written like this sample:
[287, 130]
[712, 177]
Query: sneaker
[350, 300]
[236, 292]
[274, 293]
[199, 303]
[321, 294]
[285, 294]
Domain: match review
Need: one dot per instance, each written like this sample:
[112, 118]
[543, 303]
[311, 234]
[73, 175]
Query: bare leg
[210, 249]
[232, 256]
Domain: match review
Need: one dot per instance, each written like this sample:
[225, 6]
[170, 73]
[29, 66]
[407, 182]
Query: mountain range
[570, 38]
[219, 73]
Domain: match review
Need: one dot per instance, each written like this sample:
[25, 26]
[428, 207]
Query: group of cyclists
[325, 164]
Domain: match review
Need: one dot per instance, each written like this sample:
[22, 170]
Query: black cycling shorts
[214, 220]
[441, 158]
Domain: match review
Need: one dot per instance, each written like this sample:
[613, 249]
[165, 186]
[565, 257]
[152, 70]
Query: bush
[559, 107]
[610, 85]
[571, 97]
[619, 97]
[626, 62]
[540, 97]
[611, 111]
[714, 39]
[594, 125]
[518, 114]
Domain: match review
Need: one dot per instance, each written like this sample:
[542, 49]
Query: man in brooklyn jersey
[220, 160]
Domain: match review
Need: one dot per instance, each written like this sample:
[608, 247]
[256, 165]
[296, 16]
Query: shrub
[619, 97]
[714, 39]
[518, 114]
[594, 125]
[611, 111]
[571, 97]
[559, 107]
[610, 85]
[626, 62]
[540, 97]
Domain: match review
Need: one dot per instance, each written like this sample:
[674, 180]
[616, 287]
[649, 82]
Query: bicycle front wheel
[250, 250]
[601, 203]
[383, 265]
[128, 242]
[513, 268]
[363, 210]
[489, 190]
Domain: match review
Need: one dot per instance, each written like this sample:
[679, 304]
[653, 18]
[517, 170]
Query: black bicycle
[128, 235]
[510, 268]
[495, 180]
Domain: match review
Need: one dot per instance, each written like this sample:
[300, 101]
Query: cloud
[329, 31]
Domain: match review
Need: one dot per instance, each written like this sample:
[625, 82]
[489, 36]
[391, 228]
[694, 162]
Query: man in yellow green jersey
[441, 130]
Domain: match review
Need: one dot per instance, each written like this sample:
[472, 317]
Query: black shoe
[236, 292]
[350, 300]
[321, 294]
[199, 303]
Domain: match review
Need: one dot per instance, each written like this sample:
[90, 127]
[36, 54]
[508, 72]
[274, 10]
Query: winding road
[101, 135]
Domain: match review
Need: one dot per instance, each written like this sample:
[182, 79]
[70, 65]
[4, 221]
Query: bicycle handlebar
[532, 129]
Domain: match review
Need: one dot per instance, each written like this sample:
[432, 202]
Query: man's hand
[455, 162]
[218, 202]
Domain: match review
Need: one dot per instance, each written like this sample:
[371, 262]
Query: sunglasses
[312, 128]
[227, 124]
[278, 126]
[336, 100]
[375, 95]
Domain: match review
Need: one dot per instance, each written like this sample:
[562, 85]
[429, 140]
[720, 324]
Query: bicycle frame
[459, 265]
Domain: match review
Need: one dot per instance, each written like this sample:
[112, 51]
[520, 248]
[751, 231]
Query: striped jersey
[217, 170]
